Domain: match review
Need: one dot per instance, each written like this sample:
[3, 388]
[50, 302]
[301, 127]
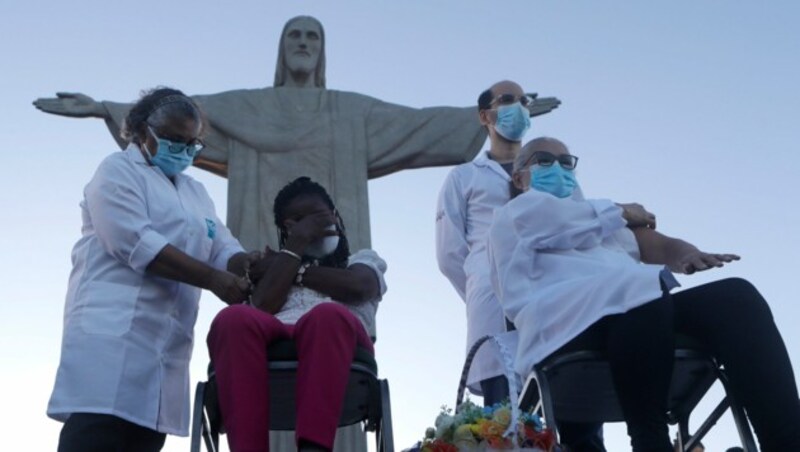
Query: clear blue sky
[690, 108]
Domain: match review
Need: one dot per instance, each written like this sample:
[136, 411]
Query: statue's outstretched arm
[76, 105]
[542, 105]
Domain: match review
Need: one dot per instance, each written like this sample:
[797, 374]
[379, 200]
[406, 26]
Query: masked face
[173, 157]
[512, 121]
[553, 179]
[323, 247]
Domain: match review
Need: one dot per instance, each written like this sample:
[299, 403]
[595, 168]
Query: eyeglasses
[544, 158]
[177, 146]
[508, 99]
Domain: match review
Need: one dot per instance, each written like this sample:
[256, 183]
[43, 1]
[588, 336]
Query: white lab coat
[128, 335]
[559, 265]
[471, 193]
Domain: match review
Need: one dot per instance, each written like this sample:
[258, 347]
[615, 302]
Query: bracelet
[290, 253]
[298, 280]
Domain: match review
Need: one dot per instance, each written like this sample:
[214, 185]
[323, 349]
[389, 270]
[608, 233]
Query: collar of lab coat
[135, 154]
[483, 160]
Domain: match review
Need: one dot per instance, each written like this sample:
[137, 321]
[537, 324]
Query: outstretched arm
[75, 105]
[678, 255]
[544, 105]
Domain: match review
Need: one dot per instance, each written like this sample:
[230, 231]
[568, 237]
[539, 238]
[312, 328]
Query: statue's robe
[261, 139]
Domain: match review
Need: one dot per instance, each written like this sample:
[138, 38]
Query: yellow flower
[476, 427]
[463, 437]
[503, 417]
[491, 429]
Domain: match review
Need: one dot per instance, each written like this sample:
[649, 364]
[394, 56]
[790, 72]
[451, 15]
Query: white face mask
[323, 247]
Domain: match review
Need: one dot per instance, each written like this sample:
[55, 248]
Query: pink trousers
[326, 339]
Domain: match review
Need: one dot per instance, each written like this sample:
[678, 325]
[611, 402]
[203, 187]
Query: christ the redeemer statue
[261, 139]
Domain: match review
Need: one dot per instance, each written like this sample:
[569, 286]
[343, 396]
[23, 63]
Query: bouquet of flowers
[478, 429]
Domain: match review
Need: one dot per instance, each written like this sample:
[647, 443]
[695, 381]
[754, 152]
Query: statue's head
[301, 53]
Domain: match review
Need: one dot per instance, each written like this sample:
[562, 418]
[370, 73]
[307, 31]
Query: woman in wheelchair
[572, 276]
[313, 291]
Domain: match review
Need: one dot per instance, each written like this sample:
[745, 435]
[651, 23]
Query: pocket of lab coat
[109, 308]
[206, 247]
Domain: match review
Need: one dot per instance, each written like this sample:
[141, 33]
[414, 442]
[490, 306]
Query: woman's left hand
[697, 260]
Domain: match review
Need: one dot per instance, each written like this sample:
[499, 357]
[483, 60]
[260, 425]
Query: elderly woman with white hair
[571, 275]
[150, 241]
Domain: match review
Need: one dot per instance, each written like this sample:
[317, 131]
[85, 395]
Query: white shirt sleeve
[225, 244]
[371, 259]
[115, 201]
[451, 233]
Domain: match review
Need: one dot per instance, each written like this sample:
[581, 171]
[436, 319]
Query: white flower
[443, 423]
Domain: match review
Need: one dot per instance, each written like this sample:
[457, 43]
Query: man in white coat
[471, 193]
[466, 203]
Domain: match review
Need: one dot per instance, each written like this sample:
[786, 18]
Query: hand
[697, 260]
[240, 263]
[261, 266]
[75, 105]
[543, 105]
[228, 287]
[636, 216]
[309, 229]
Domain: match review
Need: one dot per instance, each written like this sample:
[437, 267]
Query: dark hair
[174, 103]
[485, 100]
[304, 186]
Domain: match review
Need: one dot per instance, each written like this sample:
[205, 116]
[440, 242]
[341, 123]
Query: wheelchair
[577, 387]
[366, 399]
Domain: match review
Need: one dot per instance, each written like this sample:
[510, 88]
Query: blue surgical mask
[512, 121]
[553, 179]
[171, 157]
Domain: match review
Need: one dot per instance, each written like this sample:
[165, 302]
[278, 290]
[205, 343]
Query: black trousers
[732, 320]
[89, 432]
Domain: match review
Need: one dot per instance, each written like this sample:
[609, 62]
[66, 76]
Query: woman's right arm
[174, 264]
[117, 207]
[280, 268]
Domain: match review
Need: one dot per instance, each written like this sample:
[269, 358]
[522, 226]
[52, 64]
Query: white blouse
[302, 299]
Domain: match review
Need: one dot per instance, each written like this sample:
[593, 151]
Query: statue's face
[302, 44]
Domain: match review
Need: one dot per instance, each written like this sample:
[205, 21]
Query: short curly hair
[156, 106]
